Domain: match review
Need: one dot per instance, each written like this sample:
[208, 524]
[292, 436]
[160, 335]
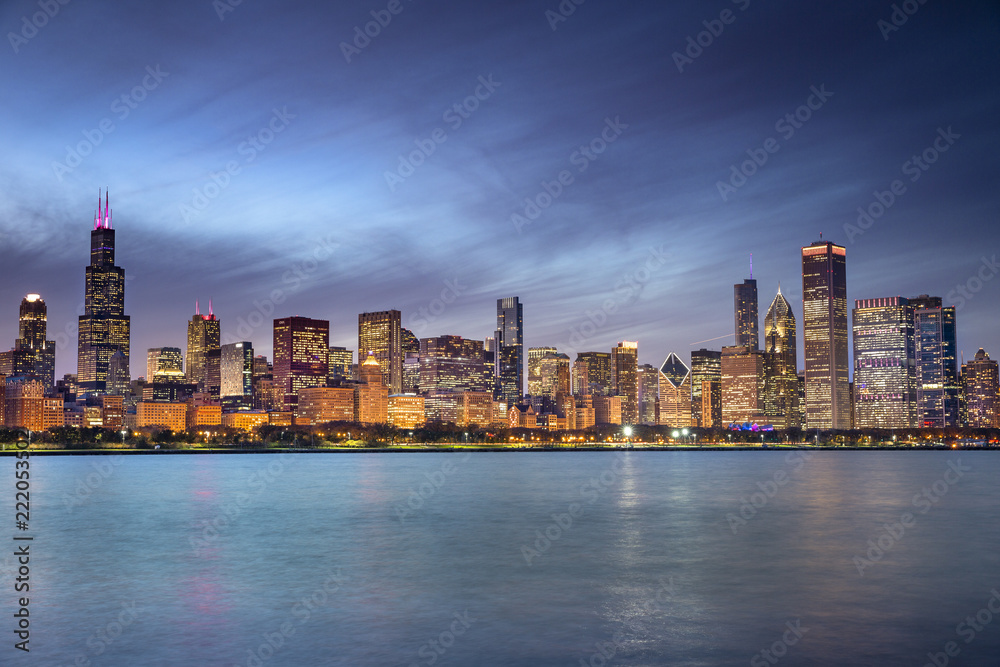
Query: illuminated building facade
[301, 357]
[981, 388]
[236, 374]
[118, 375]
[319, 405]
[104, 328]
[509, 358]
[172, 416]
[743, 385]
[341, 364]
[552, 375]
[407, 410]
[607, 410]
[885, 392]
[938, 384]
[535, 355]
[33, 356]
[746, 312]
[782, 384]
[625, 366]
[649, 393]
[824, 326]
[202, 339]
[598, 371]
[381, 334]
[711, 404]
[452, 363]
[675, 393]
[706, 366]
[160, 359]
[371, 396]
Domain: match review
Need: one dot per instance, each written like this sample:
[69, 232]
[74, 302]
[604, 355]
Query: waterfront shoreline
[445, 449]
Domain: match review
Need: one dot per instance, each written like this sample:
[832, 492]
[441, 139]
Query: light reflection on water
[649, 524]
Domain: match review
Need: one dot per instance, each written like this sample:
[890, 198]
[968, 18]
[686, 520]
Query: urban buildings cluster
[905, 375]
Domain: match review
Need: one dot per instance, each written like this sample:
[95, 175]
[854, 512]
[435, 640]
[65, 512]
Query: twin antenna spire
[102, 220]
[197, 309]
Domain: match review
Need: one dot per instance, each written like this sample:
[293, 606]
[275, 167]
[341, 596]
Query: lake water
[593, 558]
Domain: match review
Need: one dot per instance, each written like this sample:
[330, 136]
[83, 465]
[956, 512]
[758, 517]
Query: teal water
[650, 558]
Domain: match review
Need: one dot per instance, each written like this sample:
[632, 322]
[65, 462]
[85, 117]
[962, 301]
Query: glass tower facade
[824, 327]
[938, 386]
[625, 364]
[781, 402]
[746, 312]
[706, 366]
[509, 341]
[885, 393]
[202, 339]
[34, 357]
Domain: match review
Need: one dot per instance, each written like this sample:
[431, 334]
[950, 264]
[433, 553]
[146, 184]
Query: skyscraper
[781, 401]
[824, 326]
[746, 312]
[202, 338]
[301, 356]
[381, 334]
[104, 328]
[159, 359]
[510, 350]
[341, 361]
[553, 375]
[743, 385]
[675, 393]
[452, 363]
[34, 357]
[981, 384]
[236, 374]
[706, 366]
[885, 393]
[535, 355]
[598, 371]
[938, 384]
[625, 367]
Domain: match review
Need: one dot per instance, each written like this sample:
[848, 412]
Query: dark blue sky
[639, 239]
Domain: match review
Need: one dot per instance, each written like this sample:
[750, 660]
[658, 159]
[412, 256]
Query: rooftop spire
[197, 310]
[751, 266]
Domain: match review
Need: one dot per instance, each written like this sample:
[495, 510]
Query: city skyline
[312, 215]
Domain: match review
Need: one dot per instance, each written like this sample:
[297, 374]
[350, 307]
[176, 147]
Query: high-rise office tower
[745, 297]
[510, 350]
[625, 368]
[581, 378]
[824, 326]
[34, 357]
[119, 377]
[104, 326]
[981, 384]
[452, 363]
[301, 357]
[341, 362]
[236, 373]
[675, 393]
[938, 384]
[161, 359]
[743, 385]
[599, 373]
[202, 338]
[706, 366]
[885, 393]
[553, 375]
[781, 402]
[535, 355]
[408, 342]
[381, 334]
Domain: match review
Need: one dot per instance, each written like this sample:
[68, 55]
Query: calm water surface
[639, 558]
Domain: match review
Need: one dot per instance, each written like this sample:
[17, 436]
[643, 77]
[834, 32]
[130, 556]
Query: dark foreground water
[640, 558]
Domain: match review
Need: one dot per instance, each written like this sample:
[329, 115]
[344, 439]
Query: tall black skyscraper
[745, 309]
[104, 326]
[938, 382]
[510, 350]
[824, 332]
